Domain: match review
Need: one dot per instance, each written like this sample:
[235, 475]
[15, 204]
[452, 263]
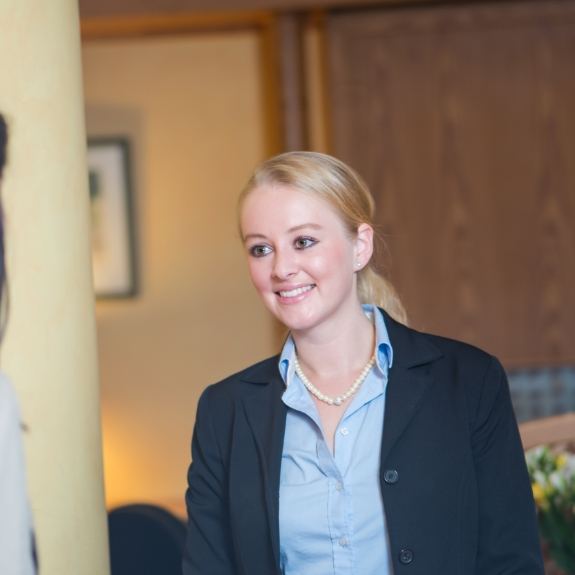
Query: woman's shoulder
[411, 341]
[469, 367]
[463, 366]
[470, 361]
[460, 350]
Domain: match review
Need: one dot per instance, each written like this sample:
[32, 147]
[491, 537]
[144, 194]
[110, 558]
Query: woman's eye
[304, 242]
[259, 251]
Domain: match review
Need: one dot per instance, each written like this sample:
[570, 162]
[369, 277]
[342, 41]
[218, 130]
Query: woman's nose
[285, 265]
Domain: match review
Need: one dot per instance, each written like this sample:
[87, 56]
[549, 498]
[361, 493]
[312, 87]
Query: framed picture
[111, 205]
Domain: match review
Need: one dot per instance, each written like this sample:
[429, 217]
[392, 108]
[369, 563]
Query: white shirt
[15, 516]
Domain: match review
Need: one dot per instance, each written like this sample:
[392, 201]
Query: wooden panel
[462, 120]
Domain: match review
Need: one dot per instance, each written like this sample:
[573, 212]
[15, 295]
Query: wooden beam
[95, 8]
[137, 25]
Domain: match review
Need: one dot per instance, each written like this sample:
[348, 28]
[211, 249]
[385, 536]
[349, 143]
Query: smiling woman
[328, 187]
[313, 461]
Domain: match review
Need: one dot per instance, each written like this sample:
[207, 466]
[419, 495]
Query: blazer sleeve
[208, 549]
[508, 533]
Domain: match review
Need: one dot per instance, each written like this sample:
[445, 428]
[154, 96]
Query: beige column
[50, 346]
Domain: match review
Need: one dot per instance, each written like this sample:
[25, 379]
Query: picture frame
[112, 218]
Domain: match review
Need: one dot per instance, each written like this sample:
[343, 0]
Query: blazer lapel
[409, 379]
[266, 416]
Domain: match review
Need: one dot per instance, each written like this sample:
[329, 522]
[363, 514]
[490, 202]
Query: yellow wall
[192, 106]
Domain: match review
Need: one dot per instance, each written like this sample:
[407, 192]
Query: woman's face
[301, 259]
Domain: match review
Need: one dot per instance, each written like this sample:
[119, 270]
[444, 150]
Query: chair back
[145, 539]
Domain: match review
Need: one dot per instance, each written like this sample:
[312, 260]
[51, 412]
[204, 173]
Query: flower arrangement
[553, 482]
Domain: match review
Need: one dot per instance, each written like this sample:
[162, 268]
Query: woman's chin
[295, 318]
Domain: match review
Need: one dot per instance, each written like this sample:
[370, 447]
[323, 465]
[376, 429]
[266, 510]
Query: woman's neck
[343, 348]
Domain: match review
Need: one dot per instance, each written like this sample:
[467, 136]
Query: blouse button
[344, 431]
[343, 541]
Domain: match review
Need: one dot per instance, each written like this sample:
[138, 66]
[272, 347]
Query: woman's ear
[363, 246]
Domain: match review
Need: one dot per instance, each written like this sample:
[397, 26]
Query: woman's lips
[295, 294]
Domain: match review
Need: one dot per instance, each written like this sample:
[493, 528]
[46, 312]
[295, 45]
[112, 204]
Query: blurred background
[460, 116]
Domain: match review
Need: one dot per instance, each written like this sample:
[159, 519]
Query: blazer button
[406, 556]
[391, 476]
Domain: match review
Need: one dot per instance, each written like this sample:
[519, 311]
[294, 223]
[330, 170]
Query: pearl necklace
[339, 399]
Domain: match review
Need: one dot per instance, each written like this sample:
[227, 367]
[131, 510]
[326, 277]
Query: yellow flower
[539, 495]
[561, 461]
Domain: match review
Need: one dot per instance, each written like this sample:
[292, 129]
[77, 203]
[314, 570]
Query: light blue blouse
[331, 513]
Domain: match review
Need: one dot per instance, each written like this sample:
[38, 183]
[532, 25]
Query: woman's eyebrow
[290, 230]
[308, 225]
[254, 236]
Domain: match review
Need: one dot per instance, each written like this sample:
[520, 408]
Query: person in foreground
[16, 537]
[364, 447]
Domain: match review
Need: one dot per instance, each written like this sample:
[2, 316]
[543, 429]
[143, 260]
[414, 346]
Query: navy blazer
[456, 492]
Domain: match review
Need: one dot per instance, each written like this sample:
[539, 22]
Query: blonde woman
[364, 447]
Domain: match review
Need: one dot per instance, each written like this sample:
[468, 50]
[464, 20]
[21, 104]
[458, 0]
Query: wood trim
[292, 81]
[318, 19]
[136, 26]
[554, 429]
[270, 63]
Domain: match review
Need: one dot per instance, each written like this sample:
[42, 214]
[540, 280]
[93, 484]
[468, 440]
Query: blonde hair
[330, 179]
